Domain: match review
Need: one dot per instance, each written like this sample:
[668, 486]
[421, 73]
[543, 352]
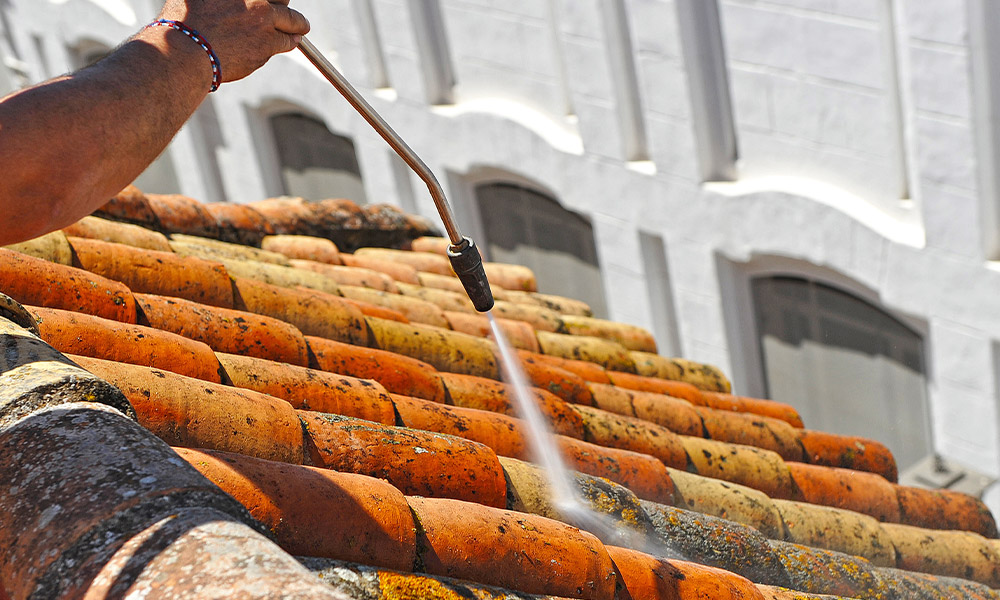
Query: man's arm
[69, 144]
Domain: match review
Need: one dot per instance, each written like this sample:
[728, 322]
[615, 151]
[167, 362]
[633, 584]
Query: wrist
[185, 50]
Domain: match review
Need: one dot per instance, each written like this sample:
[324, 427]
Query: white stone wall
[863, 135]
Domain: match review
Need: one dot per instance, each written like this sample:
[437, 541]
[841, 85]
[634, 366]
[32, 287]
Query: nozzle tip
[468, 265]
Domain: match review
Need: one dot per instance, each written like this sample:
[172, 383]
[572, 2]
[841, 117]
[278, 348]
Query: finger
[286, 42]
[287, 20]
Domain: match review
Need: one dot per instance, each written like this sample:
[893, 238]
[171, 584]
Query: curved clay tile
[53, 247]
[678, 389]
[717, 542]
[588, 371]
[313, 313]
[421, 261]
[826, 572]
[511, 277]
[197, 414]
[755, 468]
[307, 389]
[848, 452]
[629, 433]
[541, 318]
[317, 511]
[76, 333]
[209, 249]
[96, 228]
[224, 329]
[441, 282]
[34, 281]
[398, 374]
[131, 206]
[520, 334]
[446, 350]
[752, 430]
[488, 394]
[704, 377]
[529, 491]
[356, 276]
[757, 406]
[647, 576]
[728, 501]
[398, 271]
[861, 492]
[152, 272]
[837, 529]
[631, 336]
[415, 309]
[179, 214]
[610, 355]
[567, 385]
[949, 553]
[303, 247]
[417, 462]
[288, 277]
[238, 223]
[945, 509]
[508, 549]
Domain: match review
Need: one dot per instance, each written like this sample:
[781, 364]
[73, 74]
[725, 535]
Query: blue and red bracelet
[201, 41]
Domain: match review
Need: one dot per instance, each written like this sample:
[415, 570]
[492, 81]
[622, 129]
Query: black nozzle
[468, 265]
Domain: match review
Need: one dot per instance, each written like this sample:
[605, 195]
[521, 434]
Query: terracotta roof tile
[181, 214]
[77, 333]
[313, 313]
[223, 329]
[610, 355]
[674, 435]
[308, 389]
[240, 224]
[510, 549]
[151, 272]
[415, 461]
[317, 511]
[399, 374]
[34, 281]
[302, 247]
[96, 228]
[198, 414]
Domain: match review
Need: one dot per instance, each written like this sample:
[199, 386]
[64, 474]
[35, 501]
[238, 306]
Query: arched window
[316, 163]
[526, 227]
[847, 365]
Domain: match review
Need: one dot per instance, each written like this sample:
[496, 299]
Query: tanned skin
[69, 144]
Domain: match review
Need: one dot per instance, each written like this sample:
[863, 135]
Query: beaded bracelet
[201, 41]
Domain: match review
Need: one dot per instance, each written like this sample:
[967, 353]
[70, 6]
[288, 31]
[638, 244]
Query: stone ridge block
[78, 481]
[34, 376]
[204, 553]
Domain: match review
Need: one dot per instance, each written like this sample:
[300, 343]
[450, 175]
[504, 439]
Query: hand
[244, 34]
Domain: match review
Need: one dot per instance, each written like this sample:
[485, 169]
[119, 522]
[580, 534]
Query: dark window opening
[316, 163]
[847, 365]
[530, 228]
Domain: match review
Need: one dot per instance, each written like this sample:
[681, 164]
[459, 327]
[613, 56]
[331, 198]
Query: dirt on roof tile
[225, 330]
[509, 549]
[417, 462]
[308, 389]
[37, 282]
[198, 414]
[317, 511]
[151, 272]
[77, 333]
[861, 492]
[399, 374]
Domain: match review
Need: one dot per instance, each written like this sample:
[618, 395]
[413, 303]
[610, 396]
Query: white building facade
[805, 193]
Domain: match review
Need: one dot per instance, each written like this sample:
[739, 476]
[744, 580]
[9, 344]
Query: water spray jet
[468, 265]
